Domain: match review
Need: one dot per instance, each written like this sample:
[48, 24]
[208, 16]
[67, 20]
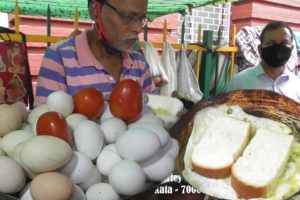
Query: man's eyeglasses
[129, 19]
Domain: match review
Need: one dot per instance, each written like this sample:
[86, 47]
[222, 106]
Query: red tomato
[89, 102]
[125, 101]
[54, 124]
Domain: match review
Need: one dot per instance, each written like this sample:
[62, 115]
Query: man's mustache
[132, 37]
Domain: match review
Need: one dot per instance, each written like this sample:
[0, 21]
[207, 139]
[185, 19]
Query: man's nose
[138, 26]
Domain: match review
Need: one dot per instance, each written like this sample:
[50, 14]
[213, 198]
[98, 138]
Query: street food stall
[145, 151]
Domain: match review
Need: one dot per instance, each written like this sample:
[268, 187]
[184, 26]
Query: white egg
[79, 168]
[27, 127]
[78, 194]
[89, 138]
[36, 113]
[60, 101]
[74, 119]
[2, 153]
[12, 139]
[108, 157]
[159, 130]
[159, 167]
[172, 147]
[127, 178]
[25, 193]
[148, 118]
[23, 109]
[95, 177]
[138, 144]
[112, 128]
[106, 113]
[16, 157]
[45, 153]
[12, 175]
[101, 191]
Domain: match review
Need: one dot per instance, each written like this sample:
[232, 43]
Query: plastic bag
[158, 73]
[168, 61]
[188, 86]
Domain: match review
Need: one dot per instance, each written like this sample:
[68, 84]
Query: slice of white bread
[256, 172]
[223, 141]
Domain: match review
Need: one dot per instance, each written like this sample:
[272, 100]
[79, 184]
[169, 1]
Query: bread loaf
[256, 172]
[223, 141]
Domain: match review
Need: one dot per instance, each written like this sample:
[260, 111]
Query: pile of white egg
[110, 158]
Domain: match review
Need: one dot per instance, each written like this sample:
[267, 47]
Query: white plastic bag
[188, 86]
[168, 61]
[158, 73]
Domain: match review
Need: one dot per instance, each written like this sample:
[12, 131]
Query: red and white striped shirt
[70, 65]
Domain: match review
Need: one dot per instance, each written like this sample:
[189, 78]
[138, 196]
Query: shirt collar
[84, 53]
[86, 56]
[258, 70]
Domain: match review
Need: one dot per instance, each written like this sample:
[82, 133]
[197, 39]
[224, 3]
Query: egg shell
[108, 157]
[106, 113]
[78, 194]
[138, 144]
[36, 113]
[159, 130]
[25, 193]
[112, 128]
[89, 138]
[16, 157]
[22, 109]
[60, 101]
[95, 177]
[74, 119]
[45, 153]
[10, 119]
[102, 191]
[127, 178]
[2, 152]
[148, 118]
[79, 168]
[12, 175]
[172, 147]
[50, 186]
[27, 127]
[12, 139]
[159, 167]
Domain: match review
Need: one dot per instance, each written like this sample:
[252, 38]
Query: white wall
[210, 17]
[4, 19]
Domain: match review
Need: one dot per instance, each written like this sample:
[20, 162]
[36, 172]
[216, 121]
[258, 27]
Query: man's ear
[93, 10]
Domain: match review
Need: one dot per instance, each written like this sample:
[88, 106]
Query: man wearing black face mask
[271, 74]
[99, 57]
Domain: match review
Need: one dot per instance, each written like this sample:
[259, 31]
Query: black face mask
[276, 55]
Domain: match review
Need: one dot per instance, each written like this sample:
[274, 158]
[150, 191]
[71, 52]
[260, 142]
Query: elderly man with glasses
[99, 57]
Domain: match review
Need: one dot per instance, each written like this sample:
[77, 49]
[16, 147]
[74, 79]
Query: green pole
[48, 23]
[183, 30]
[217, 61]
[206, 63]
[146, 32]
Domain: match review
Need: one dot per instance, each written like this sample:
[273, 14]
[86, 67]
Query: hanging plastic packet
[168, 61]
[158, 73]
[188, 86]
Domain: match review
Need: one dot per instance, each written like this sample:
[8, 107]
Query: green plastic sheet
[66, 8]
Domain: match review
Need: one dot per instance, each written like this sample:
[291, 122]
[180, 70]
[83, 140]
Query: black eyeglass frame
[128, 19]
